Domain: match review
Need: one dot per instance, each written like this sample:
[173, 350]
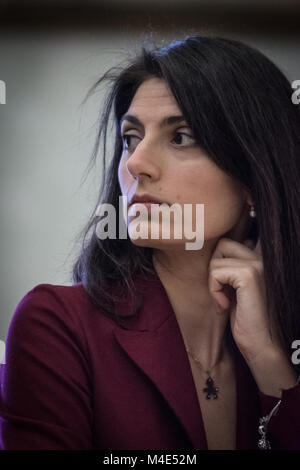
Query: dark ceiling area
[281, 18]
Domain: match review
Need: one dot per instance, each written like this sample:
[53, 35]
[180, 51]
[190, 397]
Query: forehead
[153, 95]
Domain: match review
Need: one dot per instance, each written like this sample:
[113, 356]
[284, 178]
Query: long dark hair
[238, 105]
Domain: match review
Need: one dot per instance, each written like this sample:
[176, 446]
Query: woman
[156, 346]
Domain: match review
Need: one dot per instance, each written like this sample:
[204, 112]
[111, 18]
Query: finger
[223, 281]
[249, 243]
[235, 263]
[257, 248]
[227, 248]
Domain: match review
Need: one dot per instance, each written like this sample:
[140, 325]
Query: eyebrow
[167, 121]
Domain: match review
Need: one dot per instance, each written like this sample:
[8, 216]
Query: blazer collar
[153, 341]
[155, 305]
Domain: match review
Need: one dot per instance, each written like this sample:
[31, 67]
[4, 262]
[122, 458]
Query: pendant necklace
[210, 390]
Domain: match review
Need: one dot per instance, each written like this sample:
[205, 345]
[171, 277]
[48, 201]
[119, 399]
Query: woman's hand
[236, 266]
[236, 281]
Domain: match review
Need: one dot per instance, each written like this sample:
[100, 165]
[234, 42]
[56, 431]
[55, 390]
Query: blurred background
[51, 53]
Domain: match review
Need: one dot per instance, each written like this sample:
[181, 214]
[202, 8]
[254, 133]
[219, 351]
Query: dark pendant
[210, 389]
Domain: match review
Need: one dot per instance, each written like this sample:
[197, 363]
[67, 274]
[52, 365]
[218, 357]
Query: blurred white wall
[46, 142]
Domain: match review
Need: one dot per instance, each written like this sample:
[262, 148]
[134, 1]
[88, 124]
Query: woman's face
[161, 158]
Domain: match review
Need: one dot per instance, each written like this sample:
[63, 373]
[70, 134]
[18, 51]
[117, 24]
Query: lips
[145, 198]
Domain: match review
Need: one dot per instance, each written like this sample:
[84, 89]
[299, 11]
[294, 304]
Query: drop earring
[252, 212]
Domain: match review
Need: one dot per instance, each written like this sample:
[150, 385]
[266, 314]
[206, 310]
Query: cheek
[221, 195]
[223, 209]
[203, 183]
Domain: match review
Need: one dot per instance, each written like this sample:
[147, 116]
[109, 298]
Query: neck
[184, 275]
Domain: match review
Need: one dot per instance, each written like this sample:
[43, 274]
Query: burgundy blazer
[76, 379]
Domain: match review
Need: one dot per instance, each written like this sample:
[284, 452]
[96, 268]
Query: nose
[144, 161]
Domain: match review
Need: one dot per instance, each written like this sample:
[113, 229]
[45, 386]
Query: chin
[159, 244]
[141, 235]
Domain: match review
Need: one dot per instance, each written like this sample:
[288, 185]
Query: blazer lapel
[154, 342]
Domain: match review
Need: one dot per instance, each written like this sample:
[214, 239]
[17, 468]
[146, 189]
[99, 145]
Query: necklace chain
[196, 359]
[210, 389]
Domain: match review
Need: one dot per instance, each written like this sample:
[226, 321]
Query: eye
[130, 141]
[183, 139]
